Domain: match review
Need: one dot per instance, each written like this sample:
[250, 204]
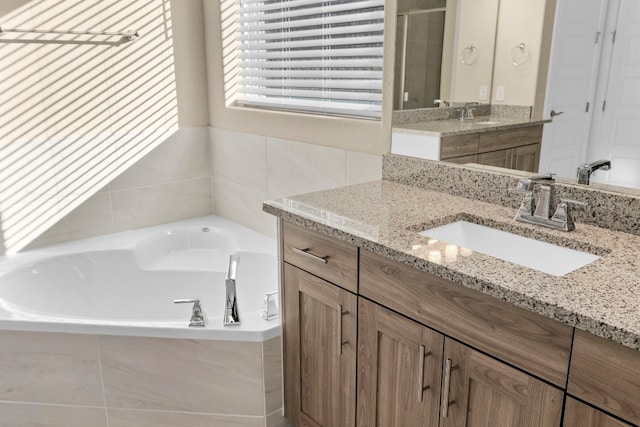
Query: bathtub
[125, 283]
[92, 325]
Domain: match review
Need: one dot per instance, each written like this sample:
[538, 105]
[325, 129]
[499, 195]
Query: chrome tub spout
[231, 315]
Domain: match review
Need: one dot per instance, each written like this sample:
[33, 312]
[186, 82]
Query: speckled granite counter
[384, 217]
[450, 127]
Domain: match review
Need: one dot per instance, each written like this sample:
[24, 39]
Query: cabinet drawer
[577, 414]
[534, 343]
[492, 141]
[456, 146]
[330, 259]
[607, 375]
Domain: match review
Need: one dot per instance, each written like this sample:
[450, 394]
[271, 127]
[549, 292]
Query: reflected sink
[487, 122]
[531, 253]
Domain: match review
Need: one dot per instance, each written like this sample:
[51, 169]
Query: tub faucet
[585, 170]
[198, 318]
[231, 315]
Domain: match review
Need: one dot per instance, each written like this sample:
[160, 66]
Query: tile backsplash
[607, 209]
[247, 169]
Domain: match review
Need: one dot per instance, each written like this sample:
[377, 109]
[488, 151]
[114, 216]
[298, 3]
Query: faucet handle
[563, 213]
[574, 202]
[198, 318]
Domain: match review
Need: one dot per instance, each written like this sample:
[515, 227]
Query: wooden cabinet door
[481, 391]
[319, 330]
[577, 414]
[526, 158]
[398, 370]
[499, 159]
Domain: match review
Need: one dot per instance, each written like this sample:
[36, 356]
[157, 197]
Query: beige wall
[79, 110]
[520, 21]
[476, 23]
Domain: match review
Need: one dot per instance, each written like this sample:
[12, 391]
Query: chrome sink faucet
[585, 170]
[467, 112]
[538, 213]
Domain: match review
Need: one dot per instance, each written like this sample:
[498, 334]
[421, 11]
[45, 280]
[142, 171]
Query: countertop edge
[477, 129]
[546, 309]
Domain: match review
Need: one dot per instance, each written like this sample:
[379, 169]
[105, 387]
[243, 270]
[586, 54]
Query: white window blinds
[310, 55]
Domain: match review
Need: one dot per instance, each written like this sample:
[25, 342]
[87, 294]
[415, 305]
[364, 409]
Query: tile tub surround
[607, 209]
[384, 217]
[57, 379]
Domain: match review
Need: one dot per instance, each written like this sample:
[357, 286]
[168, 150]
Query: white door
[615, 134]
[577, 41]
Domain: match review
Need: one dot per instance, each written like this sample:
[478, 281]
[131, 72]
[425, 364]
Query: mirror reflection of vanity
[523, 77]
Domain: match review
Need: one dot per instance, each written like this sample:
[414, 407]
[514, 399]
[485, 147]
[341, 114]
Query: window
[310, 55]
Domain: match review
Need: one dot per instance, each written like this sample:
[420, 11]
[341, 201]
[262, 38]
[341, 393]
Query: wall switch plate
[484, 91]
[500, 93]
[406, 96]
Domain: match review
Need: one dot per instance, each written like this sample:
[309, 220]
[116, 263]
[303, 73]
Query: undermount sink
[531, 253]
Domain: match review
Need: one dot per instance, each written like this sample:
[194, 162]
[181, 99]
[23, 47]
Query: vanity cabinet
[517, 148]
[410, 375]
[525, 158]
[577, 414]
[459, 148]
[513, 149]
[476, 389]
[606, 375]
[527, 340]
[429, 352]
[319, 329]
[399, 369]
[481, 391]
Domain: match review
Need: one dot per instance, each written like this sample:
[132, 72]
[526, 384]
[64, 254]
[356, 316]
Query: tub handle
[198, 318]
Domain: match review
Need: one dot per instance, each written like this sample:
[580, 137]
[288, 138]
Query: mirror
[610, 88]
[455, 63]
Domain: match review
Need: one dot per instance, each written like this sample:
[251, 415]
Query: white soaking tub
[89, 333]
[125, 283]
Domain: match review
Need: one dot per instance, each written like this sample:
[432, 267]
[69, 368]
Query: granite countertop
[480, 124]
[384, 217]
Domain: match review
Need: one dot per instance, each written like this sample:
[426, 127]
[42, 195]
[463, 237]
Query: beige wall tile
[158, 204]
[50, 368]
[92, 218]
[240, 158]
[296, 168]
[272, 365]
[363, 167]
[135, 418]
[242, 205]
[183, 156]
[276, 419]
[182, 375]
[33, 415]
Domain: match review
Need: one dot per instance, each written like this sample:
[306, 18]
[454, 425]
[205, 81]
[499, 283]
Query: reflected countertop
[385, 217]
[451, 127]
